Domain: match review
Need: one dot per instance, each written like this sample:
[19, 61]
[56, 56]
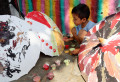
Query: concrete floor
[63, 73]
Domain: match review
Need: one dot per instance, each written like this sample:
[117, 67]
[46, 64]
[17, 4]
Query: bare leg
[81, 35]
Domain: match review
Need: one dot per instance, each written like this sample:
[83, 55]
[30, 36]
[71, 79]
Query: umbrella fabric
[99, 57]
[19, 48]
[50, 37]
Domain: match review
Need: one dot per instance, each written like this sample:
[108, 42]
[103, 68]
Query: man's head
[80, 13]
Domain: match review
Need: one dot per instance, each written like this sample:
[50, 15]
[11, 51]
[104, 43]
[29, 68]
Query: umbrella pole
[18, 8]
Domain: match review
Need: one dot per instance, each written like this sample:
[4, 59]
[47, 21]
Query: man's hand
[66, 39]
[75, 52]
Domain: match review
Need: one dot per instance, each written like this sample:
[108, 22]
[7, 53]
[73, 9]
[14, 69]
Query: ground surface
[63, 73]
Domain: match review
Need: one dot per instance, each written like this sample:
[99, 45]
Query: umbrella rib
[104, 33]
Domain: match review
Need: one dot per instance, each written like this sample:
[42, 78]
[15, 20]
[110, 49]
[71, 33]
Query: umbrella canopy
[19, 48]
[50, 37]
[99, 57]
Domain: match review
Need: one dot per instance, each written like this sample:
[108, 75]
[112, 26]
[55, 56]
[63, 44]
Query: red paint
[80, 62]
[117, 15]
[80, 57]
[66, 46]
[54, 50]
[102, 24]
[94, 59]
[39, 17]
[50, 75]
[29, 22]
[46, 66]
[36, 79]
[39, 36]
[42, 40]
[81, 66]
[94, 29]
[114, 20]
[47, 44]
[88, 34]
[82, 48]
[111, 46]
[14, 43]
[50, 47]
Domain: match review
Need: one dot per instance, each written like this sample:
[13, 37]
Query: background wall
[60, 10]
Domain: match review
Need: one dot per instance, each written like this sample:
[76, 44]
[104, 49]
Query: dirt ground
[63, 73]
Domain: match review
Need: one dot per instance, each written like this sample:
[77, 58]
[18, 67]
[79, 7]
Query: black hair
[82, 11]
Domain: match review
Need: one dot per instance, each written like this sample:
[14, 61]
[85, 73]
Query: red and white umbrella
[99, 57]
[50, 37]
[19, 48]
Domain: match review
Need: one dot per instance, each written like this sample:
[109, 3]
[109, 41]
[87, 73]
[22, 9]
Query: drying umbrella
[50, 37]
[19, 48]
[99, 57]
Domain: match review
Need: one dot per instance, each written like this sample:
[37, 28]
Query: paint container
[67, 62]
[72, 45]
[57, 62]
[36, 79]
[53, 66]
[50, 75]
[46, 66]
[66, 46]
[71, 49]
[66, 51]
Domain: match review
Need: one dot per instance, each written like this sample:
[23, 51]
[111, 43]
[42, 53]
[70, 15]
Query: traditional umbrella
[99, 57]
[19, 48]
[50, 37]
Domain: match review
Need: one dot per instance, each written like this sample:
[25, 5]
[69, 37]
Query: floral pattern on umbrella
[99, 57]
[19, 48]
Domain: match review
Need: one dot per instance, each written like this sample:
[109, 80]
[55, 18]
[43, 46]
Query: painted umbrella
[99, 57]
[50, 37]
[19, 48]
